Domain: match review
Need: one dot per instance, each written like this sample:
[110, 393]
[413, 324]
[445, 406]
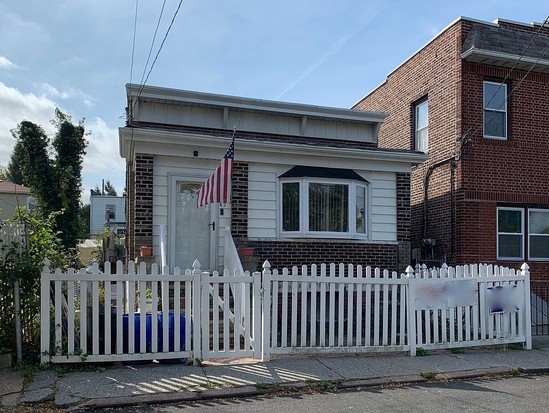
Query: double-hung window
[495, 110]
[518, 227]
[421, 126]
[510, 233]
[312, 206]
[538, 234]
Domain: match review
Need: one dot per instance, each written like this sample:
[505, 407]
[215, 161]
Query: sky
[78, 55]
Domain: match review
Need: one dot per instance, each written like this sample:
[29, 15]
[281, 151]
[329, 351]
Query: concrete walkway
[122, 385]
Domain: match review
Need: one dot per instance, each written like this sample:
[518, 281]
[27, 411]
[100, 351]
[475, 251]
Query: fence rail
[321, 308]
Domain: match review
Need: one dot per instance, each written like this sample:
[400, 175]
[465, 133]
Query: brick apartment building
[476, 100]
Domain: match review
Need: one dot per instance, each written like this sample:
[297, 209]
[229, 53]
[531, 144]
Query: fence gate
[231, 315]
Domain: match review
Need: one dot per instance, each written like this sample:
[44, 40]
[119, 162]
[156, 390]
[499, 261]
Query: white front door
[194, 229]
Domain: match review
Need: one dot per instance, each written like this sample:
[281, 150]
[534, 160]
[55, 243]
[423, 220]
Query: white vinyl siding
[98, 205]
[259, 122]
[261, 201]
[383, 206]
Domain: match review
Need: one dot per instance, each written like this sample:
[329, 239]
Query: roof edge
[252, 104]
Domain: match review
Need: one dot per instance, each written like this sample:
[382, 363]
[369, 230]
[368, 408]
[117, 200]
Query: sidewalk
[122, 385]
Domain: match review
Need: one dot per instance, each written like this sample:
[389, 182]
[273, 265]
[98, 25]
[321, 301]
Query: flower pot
[145, 251]
[246, 252]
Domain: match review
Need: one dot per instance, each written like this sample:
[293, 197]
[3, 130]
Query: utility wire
[133, 42]
[158, 52]
[153, 40]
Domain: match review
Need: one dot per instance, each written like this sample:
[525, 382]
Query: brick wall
[490, 172]
[403, 220]
[434, 72]
[239, 205]
[140, 204]
[311, 251]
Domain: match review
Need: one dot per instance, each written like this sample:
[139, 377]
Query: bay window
[331, 208]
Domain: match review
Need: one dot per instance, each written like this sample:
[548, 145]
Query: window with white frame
[110, 212]
[514, 233]
[421, 126]
[331, 208]
[510, 229]
[495, 110]
[538, 234]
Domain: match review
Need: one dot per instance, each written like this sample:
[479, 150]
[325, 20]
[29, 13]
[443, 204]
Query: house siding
[98, 204]
[181, 135]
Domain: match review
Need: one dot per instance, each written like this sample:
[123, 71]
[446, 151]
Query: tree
[56, 182]
[13, 171]
[85, 217]
[109, 189]
[22, 260]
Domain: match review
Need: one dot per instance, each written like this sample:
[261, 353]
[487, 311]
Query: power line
[133, 42]
[158, 52]
[153, 40]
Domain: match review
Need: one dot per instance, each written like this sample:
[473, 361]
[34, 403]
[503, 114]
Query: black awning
[319, 172]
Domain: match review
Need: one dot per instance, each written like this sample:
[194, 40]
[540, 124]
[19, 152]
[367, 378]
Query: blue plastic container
[137, 332]
[126, 319]
[171, 331]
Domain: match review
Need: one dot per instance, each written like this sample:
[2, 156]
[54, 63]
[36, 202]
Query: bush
[22, 260]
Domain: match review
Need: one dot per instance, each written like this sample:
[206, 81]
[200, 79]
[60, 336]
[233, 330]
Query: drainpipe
[452, 160]
[426, 180]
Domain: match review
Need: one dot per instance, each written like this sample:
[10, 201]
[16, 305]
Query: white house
[12, 196]
[107, 211]
[310, 184]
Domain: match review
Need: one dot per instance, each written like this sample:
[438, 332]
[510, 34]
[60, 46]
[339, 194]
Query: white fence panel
[132, 315]
[336, 309]
[469, 306]
[231, 322]
[102, 317]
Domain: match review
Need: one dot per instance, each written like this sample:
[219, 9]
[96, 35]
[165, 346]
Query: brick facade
[317, 251]
[462, 196]
[139, 227]
[239, 204]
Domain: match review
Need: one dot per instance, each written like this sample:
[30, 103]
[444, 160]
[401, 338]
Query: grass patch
[515, 346]
[420, 351]
[515, 372]
[457, 350]
[428, 375]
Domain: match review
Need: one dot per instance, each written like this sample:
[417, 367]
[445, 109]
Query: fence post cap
[409, 271]
[46, 262]
[196, 265]
[266, 264]
[524, 267]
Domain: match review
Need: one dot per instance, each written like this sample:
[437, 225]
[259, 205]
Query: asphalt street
[496, 394]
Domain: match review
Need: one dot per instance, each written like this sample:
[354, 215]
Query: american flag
[217, 189]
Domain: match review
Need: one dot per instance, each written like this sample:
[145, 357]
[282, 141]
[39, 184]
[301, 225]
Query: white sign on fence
[431, 293]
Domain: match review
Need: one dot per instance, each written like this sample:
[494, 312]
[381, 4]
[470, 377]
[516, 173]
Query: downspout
[456, 156]
[426, 180]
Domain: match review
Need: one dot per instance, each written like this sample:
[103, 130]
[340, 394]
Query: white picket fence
[322, 308]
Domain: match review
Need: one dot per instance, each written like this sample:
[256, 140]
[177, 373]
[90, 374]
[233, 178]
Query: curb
[253, 391]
